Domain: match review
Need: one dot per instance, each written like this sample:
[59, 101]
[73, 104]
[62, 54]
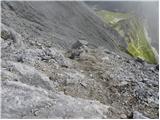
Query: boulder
[79, 44]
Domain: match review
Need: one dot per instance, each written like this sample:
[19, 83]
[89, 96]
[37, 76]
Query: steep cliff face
[45, 76]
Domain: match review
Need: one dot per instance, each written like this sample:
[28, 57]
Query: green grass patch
[133, 32]
[112, 17]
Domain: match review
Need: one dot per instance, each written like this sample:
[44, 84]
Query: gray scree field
[43, 74]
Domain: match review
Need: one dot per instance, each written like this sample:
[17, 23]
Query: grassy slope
[130, 28]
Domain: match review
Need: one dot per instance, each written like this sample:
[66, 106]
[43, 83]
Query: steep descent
[58, 21]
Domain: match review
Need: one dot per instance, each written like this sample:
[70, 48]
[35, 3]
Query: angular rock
[138, 115]
[5, 34]
[123, 116]
[157, 67]
[79, 44]
[139, 60]
[75, 53]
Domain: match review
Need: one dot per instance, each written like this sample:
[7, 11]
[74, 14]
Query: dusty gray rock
[5, 34]
[157, 67]
[79, 44]
[137, 115]
[28, 75]
[123, 116]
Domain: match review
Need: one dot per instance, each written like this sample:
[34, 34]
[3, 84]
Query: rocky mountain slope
[60, 22]
[147, 11]
[59, 61]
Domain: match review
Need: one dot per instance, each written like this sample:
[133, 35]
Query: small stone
[64, 66]
[90, 75]
[79, 44]
[5, 34]
[128, 61]
[51, 78]
[105, 58]
[75, 54]
[20, 59]
[139, 60]
[123, 116]
[123, 83]
[157, 67]
[138, 115]
[107, 51]
[83, 84]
